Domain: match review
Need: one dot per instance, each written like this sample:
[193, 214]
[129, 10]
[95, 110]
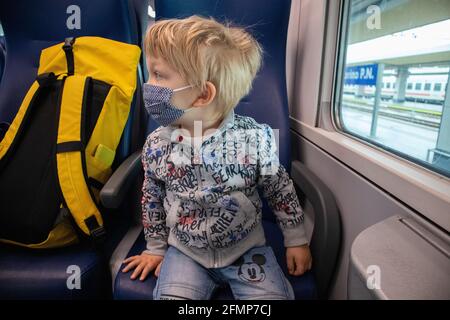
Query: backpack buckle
[68, 43]
[97, 232]
[67, 47]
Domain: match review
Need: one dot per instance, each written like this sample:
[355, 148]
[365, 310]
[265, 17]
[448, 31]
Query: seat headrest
[31, 26]
[268, 22]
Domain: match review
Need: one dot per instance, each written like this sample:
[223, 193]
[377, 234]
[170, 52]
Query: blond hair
[204, 50]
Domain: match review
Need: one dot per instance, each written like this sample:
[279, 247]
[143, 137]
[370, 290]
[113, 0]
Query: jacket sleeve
[278, 188]
[153, 213]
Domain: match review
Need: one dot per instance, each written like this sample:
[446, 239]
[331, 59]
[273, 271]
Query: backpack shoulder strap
[70, 157]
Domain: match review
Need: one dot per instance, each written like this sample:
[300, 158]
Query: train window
[407, 46]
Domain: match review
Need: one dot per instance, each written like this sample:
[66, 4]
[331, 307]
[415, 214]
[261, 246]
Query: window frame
[422, 190]
[341, 53]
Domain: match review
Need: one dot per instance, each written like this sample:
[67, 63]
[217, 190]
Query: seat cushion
[125, 288]
[44, 274]
[304, 285]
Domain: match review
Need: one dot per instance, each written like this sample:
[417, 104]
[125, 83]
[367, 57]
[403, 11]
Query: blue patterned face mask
[158, 105]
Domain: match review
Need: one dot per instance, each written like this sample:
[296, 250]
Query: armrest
[117, 186]
[326, 237]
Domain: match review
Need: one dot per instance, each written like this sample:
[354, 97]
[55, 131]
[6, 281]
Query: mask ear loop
[182, 88]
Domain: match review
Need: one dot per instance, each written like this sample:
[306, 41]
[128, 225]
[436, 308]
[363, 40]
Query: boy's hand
[298, 260]
[142, 265]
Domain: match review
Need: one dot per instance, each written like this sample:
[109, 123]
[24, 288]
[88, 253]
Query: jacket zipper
[200, 185]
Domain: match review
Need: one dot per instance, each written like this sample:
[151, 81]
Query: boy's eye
[157, 75]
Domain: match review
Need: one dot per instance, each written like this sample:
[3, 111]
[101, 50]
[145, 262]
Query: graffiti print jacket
[201, 196]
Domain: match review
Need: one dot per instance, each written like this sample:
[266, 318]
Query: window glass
[405, 44]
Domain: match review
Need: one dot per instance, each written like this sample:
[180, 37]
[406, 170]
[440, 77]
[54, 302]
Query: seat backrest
[143, 19]
[2, 56]
[139, 124]
[30, 26]
[268, 22]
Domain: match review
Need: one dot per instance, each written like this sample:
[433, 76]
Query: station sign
[365, 75]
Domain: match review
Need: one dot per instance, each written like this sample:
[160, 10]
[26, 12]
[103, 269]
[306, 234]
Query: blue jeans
[256, 275]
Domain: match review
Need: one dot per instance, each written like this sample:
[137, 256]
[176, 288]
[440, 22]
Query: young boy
[201, 209]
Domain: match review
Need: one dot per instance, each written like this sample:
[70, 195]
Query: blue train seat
[267, 103]
[2, 56]
[26, 274]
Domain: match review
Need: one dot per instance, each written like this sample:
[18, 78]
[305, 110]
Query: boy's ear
[207, 96]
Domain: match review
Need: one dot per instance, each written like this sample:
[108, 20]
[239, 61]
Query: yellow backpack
[58, 151]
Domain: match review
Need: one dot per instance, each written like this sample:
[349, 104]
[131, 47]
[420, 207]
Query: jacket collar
[176, 135]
